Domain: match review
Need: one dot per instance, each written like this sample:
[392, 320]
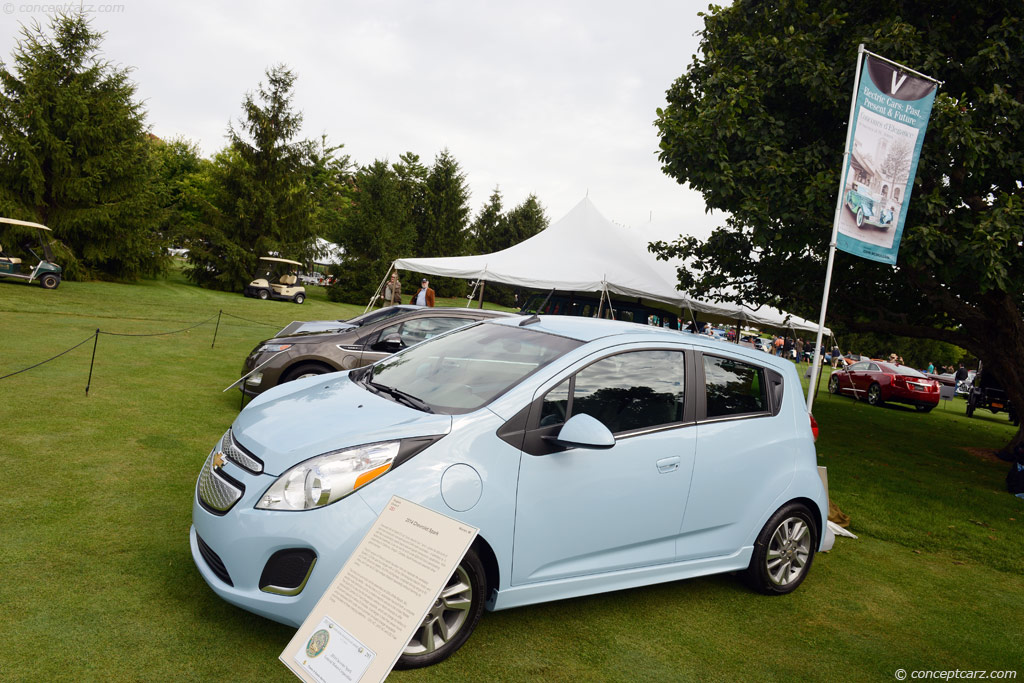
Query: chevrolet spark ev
[593, 455]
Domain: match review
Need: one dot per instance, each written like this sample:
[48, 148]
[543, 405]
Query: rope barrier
[156, 334]
[96, 335]
[31, 367]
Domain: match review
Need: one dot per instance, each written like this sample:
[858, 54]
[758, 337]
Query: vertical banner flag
[888, 124]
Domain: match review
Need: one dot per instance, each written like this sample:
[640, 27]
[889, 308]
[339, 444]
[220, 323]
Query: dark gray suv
[316, 347]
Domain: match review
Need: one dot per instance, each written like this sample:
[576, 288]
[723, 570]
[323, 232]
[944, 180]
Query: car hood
[314, 326]
[283, 428]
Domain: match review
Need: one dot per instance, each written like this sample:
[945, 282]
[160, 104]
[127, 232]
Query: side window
[733, 387]
[420, 329]
[634, 390]
[555, 406]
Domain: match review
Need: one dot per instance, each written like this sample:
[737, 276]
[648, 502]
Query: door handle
[666, 465]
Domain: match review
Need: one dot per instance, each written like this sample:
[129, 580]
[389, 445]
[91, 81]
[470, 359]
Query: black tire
[263, 294]
[833, 384]
[299, 298]
[49, 281]
[459, 607]
[784, 551]
[874, 395]
[971, 402]
[924, 409]
[305, 370]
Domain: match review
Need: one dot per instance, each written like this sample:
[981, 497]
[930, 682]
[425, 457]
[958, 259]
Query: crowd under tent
[586, 252]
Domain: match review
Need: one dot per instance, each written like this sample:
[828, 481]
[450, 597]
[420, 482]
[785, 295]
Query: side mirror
[584, 431]
[391, 343]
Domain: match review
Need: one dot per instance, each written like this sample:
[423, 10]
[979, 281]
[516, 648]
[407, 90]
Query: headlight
[329, 477]
[275, 348]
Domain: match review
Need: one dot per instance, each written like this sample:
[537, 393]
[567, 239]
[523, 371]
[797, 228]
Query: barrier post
[92, 362]
[216, 328]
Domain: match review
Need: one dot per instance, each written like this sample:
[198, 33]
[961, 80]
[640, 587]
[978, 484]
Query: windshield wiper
[398, 394]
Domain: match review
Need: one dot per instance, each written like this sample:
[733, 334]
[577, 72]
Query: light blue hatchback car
[593, 455]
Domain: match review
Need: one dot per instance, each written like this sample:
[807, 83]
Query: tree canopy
[74, 150]
[758, 122]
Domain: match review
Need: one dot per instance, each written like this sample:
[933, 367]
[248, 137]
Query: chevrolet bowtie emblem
[218, 460]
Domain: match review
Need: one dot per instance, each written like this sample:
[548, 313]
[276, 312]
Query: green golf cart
[45, 271]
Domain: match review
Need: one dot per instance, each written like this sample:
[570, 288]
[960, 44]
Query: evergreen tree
[74, 153]
[444, 229]
[175, 164]
[263, 203]
[377, 229]
[487, 224]
[523, 222]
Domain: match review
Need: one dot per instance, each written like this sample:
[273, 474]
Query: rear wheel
[783, 551]
[875, 395]
[263, 294]
[452, 619]
[49, 281]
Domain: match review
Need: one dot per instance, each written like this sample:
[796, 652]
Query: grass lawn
[98, 582]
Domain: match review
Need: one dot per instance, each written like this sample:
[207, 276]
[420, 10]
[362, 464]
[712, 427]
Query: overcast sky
[552, 97]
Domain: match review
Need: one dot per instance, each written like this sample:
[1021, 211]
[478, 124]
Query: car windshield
[460, 372]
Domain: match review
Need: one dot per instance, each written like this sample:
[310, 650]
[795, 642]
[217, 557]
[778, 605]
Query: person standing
[424, 296]
[393, 290]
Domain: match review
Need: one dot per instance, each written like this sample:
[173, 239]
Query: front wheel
[263, 294]
[860, 218]
[452, 619]
[783, 551]
[299, 298]
[49, 281]
[833, 384]
[924, 409]
[875, 395]
[972, 400]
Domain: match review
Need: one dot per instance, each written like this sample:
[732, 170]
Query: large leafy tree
[757, 125]
[73, 150]
[261, 201]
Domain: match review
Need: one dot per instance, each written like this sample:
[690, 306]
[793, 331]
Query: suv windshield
[460, 372]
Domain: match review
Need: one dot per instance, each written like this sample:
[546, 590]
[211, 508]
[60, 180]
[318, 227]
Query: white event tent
[585, 252]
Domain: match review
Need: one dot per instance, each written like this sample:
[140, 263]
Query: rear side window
[733, 387]
[625, 392]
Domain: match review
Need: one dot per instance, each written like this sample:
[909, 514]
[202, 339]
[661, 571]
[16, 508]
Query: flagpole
[835, 234]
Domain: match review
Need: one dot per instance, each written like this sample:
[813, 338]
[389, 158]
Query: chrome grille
[215, 490]
[233, 452]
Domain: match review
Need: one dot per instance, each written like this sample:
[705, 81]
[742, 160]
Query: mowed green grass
[97, 582]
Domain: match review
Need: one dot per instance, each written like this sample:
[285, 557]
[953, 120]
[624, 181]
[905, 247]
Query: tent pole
[737, 339]
[482, 285]
[600, 306]
[380, 288]
[472, 295]
[611, 309]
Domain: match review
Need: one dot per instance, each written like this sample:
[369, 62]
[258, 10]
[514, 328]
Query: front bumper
[236, 546]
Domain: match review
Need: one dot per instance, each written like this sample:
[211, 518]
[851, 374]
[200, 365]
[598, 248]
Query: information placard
[367, 615]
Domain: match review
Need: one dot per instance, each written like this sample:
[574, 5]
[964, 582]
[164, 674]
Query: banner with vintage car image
[888, 123]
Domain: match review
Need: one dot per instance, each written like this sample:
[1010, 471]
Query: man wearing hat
[425, 295]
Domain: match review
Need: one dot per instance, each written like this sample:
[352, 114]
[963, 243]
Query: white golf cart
[46, 272]
[277, 280]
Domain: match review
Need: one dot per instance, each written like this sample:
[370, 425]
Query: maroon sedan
[878, 382]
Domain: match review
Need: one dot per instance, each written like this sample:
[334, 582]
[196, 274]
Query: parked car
[989, 394]
[592, 455]
[877, 382]
[317, 347]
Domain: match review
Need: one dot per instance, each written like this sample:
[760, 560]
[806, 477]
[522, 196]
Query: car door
[855, 379]
[745, 455]
[412, 331]
[583, 511]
